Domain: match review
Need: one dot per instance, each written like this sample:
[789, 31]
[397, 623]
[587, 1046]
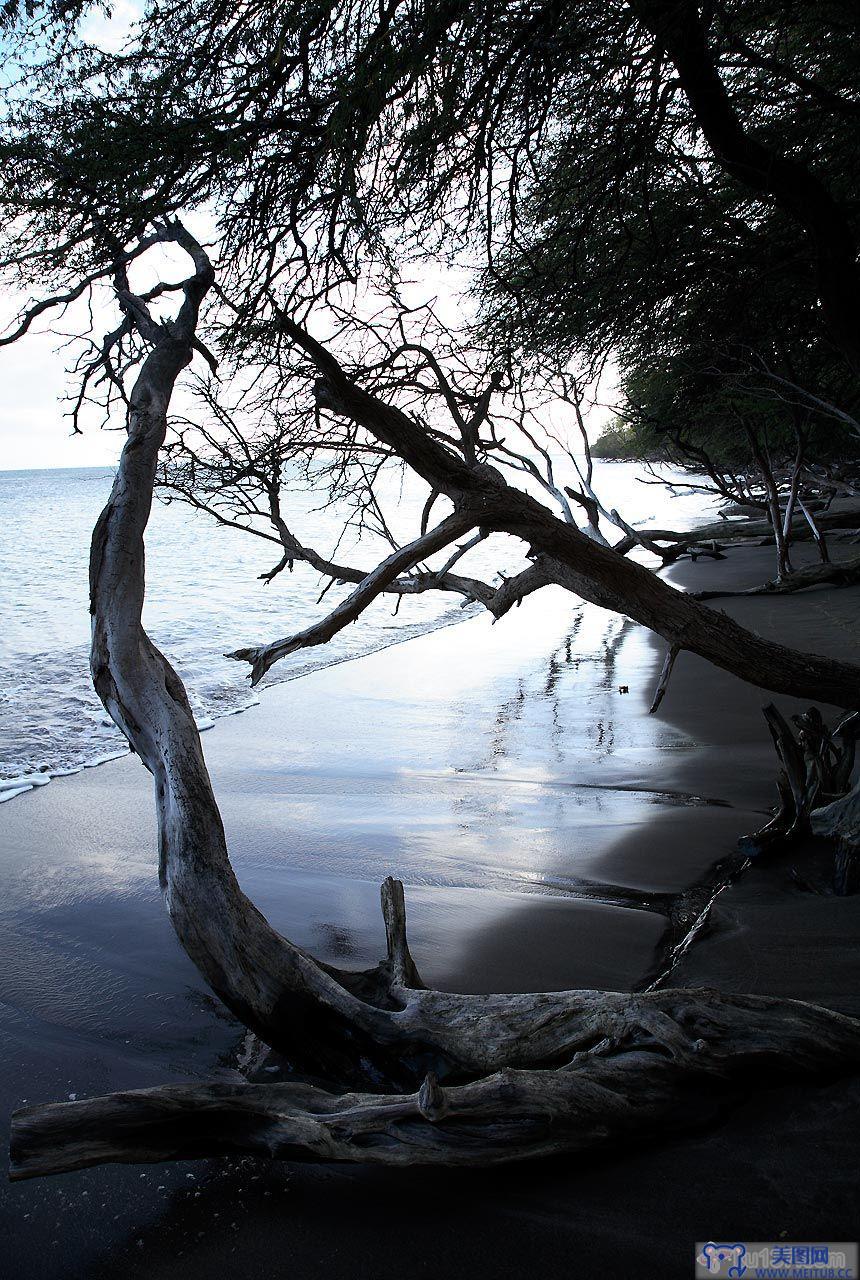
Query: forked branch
[405, 558]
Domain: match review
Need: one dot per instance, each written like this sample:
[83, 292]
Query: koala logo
[713, 1256]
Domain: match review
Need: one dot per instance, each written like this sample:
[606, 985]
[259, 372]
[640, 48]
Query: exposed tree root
[615, 1066]
[817, 764]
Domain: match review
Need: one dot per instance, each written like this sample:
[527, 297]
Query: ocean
[204, 598]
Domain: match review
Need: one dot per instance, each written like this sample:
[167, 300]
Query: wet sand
[501, 774]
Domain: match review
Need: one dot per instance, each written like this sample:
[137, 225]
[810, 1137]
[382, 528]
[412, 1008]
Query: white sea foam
[12, 792]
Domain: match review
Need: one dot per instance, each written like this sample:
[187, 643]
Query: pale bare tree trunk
[469, 1079]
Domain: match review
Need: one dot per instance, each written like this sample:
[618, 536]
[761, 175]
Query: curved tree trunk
[523, 1074]
[271, 986]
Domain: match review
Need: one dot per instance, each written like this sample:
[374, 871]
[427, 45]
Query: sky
[36, 432]
[33, 429]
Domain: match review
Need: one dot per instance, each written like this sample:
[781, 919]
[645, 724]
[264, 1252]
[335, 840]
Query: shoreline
[765, 933]
[613, 877]
[484, 780]
[11, 788]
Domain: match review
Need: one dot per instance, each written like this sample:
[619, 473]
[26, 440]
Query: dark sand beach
[545, 828]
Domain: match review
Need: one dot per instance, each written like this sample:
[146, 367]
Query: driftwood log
[749, 531]
[615, 1066]
[440, 1078]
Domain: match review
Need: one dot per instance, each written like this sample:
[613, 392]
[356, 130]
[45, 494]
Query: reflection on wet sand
[575, 693]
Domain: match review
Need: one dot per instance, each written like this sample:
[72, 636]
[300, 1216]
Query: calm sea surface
[204, 597]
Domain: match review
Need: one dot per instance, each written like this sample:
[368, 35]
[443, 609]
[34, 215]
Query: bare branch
[262, 658]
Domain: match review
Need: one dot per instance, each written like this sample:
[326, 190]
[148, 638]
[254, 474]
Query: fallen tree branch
[843, 574]
[739, 531]
[593, 572]
[663, 682]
